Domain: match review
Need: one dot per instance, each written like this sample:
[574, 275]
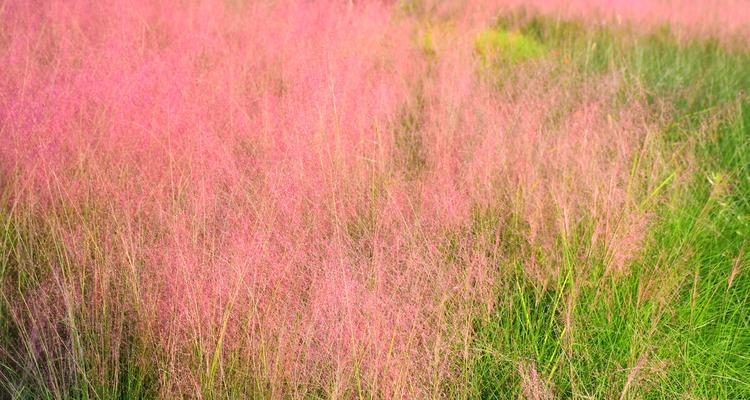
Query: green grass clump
[498, 45]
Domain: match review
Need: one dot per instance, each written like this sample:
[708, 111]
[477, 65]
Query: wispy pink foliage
[242, 167]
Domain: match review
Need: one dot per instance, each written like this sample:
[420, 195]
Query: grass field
[413, 199]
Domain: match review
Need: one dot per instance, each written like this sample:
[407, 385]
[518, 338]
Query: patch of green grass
[497, 45]
[426, 42]
[675, 326]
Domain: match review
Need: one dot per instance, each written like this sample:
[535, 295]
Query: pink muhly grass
[532, 384]
[289, 185]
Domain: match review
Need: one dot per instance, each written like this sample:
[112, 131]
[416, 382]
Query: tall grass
[337, 200]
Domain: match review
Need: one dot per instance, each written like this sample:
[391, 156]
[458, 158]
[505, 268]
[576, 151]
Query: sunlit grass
[334, 202]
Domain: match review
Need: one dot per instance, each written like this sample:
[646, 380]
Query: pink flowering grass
[280, 199]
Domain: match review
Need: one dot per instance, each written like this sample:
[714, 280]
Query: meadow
[470, 199]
